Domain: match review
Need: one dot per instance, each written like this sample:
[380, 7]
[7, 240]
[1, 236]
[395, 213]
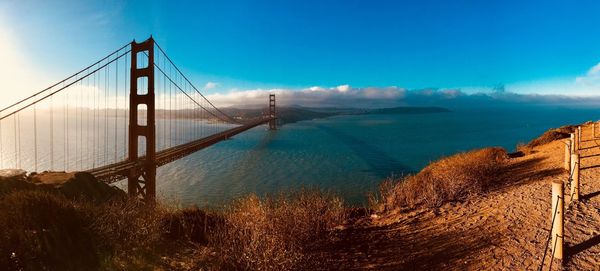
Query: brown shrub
[41, 231]
[274, 233]
[448, 179]
[127, 233]
[191, 224]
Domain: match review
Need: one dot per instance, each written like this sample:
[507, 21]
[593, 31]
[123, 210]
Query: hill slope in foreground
[504, 229]
[465, 223]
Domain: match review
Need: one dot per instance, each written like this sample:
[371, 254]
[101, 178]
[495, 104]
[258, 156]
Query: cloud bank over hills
[582, 90]
[373, 97]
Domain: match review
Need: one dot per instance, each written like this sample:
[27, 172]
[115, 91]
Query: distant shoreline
[295, 114]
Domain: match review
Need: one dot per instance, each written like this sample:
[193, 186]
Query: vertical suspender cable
[1, 160]
[19, 137]
[164, 107]
[105, 141]
[170, 111]
[51, 133]
[116, 105]
[125, 113]
[76, 104]
[87, 121]
[95, 112]
[176, 119]
[177, 113]
[64, 135]
[80, 120]
[15, 134]
[35, 152]
[67, 131]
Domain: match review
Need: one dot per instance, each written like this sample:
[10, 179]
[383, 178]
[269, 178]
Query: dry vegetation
[275, 233]
[41, 230]
[455, 177]
[448, 179]
[548, 136]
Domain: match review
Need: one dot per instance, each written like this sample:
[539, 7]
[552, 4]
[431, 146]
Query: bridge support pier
[141, 181]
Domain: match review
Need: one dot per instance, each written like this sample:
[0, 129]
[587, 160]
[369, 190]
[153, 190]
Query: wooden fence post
[578, 138]
[575, 164]
[573, 143]
[557, 216]
[568, 155]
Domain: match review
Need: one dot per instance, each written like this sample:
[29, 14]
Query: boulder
[77, 185]
[14, 180]
[12, 174]
[73, 185]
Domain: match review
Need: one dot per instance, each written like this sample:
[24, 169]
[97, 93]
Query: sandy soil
[506, 229]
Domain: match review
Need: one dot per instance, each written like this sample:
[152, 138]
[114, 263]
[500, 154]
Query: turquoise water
[347, 154]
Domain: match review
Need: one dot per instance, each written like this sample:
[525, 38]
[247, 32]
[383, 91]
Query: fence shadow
[589, 167]
[590, 195]
[391, 248]
[587, 244]
[589, 156]
[524, 172]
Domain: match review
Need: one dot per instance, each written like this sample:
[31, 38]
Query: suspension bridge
[118, 118]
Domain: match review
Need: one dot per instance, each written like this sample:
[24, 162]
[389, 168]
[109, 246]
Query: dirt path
[507, 229]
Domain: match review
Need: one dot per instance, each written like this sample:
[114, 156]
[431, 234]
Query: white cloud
[211, 85]
[343, 88]
[582, 89]
[314, 96]
[591, 80]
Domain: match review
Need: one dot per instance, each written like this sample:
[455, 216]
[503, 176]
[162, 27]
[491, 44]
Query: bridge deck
[118, 171]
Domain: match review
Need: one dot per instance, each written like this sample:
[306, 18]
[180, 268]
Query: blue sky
[546, 47]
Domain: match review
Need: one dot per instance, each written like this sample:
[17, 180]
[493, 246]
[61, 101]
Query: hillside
[504, 227]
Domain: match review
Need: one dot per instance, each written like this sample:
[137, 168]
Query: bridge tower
[272, 112]
[141, 181]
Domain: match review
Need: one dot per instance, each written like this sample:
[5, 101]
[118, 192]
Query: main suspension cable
[194, 87]
[64, 80]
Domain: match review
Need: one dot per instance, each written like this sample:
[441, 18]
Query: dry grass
[448, 179]
[275, 233]
[127, 234]
[549, 136]
[41, 230]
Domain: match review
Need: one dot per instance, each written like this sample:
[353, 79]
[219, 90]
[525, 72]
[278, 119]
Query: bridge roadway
[118, 171]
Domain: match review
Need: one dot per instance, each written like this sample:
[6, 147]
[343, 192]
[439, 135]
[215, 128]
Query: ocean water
[349, 155]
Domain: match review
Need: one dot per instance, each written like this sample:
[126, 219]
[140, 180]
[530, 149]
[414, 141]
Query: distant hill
[406, 110]
[285, 114]
[297, 113]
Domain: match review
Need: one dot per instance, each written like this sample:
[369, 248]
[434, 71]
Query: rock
[85, 185]
[12, 174]
[77, 185]
[73, 185]
[13, 180]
